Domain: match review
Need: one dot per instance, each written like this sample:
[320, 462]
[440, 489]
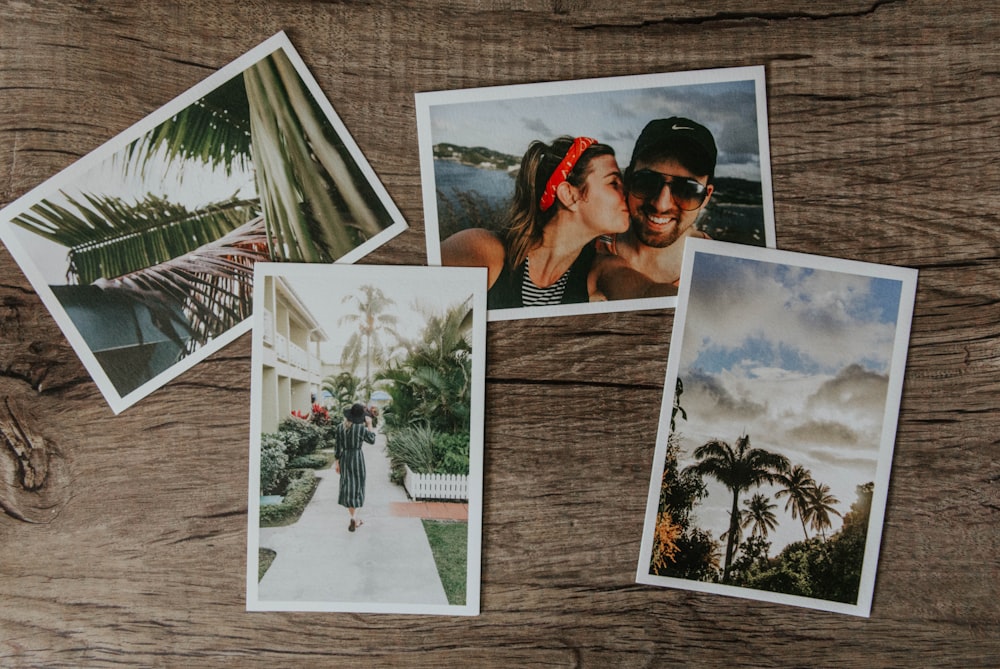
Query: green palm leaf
[213, 285]
[215, 130]
[108, 237]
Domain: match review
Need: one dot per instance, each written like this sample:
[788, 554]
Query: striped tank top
[533, 296]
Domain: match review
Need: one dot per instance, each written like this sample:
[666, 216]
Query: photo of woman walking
[352, 434]
[343, 418]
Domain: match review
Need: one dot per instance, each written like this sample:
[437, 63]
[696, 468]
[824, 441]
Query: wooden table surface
[883, 129]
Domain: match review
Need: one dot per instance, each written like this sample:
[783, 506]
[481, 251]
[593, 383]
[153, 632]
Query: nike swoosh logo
[680, 127]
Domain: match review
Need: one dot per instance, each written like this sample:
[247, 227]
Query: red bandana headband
[580, 144]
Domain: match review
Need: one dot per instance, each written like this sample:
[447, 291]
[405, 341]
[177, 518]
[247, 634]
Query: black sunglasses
[687, 193]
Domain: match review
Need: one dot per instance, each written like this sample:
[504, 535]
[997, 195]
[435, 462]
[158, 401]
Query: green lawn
[449, 543]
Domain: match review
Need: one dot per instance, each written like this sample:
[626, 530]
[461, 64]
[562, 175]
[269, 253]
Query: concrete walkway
[387, 560]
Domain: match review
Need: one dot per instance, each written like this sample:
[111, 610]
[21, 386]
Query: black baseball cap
[689, 142]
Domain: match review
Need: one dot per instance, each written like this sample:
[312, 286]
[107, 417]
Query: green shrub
[273, 461]
[301, 437]
[413, 447]
[451, 453]
[265, 556]
[314, 461]
[300, 489]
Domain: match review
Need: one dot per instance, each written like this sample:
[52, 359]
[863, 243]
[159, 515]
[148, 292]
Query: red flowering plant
[320, 416]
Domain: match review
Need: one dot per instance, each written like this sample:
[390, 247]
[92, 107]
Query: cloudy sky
[796, 357]
[613, 117]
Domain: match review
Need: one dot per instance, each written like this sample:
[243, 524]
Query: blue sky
[615, 117]
[798, 319]
[796, 357]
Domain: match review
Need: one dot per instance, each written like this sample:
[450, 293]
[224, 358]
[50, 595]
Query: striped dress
[350, 438]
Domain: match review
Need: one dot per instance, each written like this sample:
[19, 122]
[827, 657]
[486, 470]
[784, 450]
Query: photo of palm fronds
[147, 245]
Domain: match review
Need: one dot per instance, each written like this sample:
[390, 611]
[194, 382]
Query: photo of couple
[595, 219]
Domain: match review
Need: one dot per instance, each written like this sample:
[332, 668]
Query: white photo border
[474, 280]
[426, 101]
[75, 171]
[908, 280]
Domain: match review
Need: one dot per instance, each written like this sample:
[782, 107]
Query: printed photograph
[366, 439]
[578, 196]
[143, 250]
[775, 439]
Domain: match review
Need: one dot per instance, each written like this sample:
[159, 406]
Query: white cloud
[822, 316]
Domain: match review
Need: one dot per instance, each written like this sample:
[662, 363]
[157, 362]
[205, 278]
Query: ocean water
[496, 186]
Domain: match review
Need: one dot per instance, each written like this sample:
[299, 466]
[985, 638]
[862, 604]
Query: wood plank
[123, 537]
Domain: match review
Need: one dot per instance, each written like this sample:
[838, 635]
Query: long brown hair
[525, 216]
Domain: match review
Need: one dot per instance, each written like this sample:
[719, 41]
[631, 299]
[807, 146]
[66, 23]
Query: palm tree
[820, 507]
[797, 485]
[312, 204]
[343, 387]
[431, 384]
[738, 525]
[739, 469]
[372, 321]
[758, 515]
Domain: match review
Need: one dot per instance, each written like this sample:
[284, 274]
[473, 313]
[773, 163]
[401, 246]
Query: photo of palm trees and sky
[144, 249]
[787, 374]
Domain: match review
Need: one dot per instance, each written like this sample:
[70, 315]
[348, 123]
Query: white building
[292, 368]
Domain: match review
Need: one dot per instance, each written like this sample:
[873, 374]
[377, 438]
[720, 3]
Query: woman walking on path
[350, 461]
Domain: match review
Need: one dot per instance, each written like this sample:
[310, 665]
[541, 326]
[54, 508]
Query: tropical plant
[677, 408]
[451, 453]
[313, 204]
[820, 507]
[825, 569]
[412, 447]
[343, 388]
[431, 384]
[758, 515]
[680, 549]
[734, 527]
[796, 484]
[738, 468]
[665, 536]
[752, 557]
[368, 341]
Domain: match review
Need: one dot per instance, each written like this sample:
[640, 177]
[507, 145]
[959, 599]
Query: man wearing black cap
[667, 185]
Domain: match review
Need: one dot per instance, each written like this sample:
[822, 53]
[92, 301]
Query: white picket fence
[436, 486]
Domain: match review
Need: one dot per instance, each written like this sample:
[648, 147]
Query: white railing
[298, 356]
[436, 486]
[282, 346]
[268, 334]
[315, 366]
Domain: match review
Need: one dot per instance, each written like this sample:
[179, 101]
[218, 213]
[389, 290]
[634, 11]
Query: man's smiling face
[657, 221]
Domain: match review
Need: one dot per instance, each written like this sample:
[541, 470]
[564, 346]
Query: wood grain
[123, 537]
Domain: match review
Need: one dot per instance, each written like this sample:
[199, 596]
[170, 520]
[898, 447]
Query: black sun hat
[356, 413]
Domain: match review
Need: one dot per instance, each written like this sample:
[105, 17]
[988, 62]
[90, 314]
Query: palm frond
[108, 237]
[212, 285]
[214, 130]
